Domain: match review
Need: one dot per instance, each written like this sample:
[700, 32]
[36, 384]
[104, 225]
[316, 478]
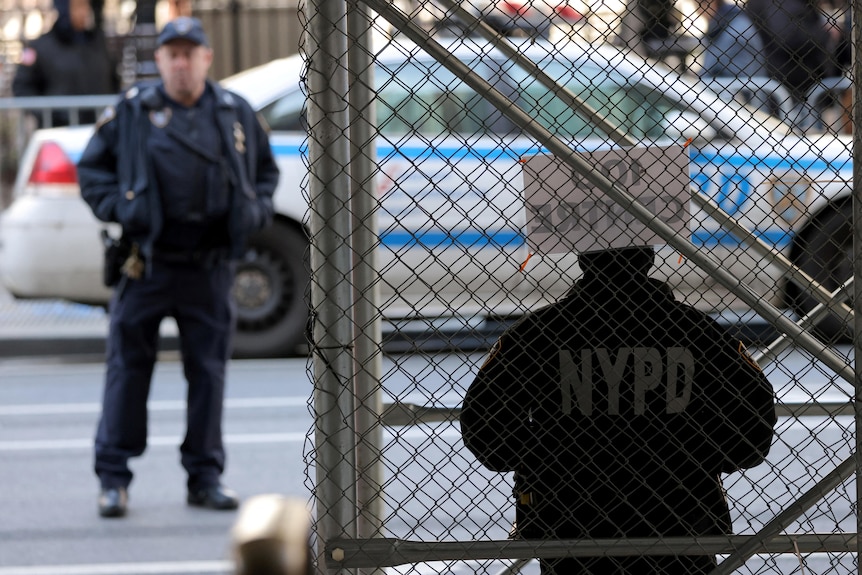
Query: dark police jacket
[117, 179]
[618, 408]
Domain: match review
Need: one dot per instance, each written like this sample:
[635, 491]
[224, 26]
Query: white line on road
[155, 568]
[159, 441]
[440, 431]
[164, 405]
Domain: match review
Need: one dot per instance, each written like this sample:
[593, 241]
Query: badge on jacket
[747, 357]
[495, 349]
[28, 57]
[238, 137]
[160, 118]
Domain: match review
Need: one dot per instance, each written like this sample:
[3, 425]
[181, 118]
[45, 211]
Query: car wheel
[825, 252]
[270, 293]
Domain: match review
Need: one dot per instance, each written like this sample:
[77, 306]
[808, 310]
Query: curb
[29, 347]
[45, 329]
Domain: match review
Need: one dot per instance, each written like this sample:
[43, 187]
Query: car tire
[824, 251]
[270, 292]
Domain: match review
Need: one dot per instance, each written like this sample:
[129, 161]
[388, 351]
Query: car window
[638, 110]
[425, 98]
[428, 99]
[418, 97]
[286, 113]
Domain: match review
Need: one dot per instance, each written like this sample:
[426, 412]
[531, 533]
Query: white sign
[566, 213]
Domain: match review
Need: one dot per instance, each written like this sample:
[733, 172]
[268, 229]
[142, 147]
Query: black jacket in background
[67, 63]
[618, 408]
[795, 42]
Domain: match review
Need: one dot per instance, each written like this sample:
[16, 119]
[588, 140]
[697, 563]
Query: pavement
[31, 328]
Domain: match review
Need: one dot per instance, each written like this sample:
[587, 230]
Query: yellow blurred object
[271, 536]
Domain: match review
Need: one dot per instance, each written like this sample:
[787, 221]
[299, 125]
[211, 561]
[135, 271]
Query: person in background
[796, 40]
[618, 408]
[71, 59]
[733, 47]
[185, 167]
[177, 8]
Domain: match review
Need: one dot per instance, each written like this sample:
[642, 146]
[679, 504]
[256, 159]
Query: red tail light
[514, 8]
[568, 13]
[53, 166]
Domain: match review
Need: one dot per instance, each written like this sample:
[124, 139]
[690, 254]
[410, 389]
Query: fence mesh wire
[733, 119]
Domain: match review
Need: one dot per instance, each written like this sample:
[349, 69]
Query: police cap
[184, 28]
[632, 259]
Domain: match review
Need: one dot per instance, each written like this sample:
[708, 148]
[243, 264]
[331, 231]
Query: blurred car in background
[451, 217]
[526, 18]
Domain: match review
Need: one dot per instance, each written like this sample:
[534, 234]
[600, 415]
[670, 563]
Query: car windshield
[636, 109]
[420, 96]
[427, 99]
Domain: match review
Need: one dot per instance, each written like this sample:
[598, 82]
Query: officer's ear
[208, 55]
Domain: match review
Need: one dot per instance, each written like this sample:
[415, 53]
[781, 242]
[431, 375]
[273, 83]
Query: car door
[449, 214]
[450, 210]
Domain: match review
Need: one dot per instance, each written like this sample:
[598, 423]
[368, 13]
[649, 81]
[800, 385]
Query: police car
[451, 219]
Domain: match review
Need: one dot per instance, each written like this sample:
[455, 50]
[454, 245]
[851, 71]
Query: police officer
[71, 59]
[617, 408]
[186, 168]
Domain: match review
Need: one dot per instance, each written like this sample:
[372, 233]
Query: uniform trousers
[197, 296]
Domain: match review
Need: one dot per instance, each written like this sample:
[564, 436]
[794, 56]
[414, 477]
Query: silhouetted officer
[617, 408]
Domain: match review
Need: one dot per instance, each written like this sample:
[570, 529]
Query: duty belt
[198, 257]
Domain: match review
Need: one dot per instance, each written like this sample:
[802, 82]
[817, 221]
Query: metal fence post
[331, 293]
[856, 117]
[368, 363]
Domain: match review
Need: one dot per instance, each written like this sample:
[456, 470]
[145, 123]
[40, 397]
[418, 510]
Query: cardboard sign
[566, 213]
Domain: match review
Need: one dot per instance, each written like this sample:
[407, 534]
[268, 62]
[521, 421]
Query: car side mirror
[681, 125]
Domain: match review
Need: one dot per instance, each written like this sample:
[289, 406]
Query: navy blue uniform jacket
[117, 180]
[617, 408]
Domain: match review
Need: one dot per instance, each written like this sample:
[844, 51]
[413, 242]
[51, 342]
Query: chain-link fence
[475, 168]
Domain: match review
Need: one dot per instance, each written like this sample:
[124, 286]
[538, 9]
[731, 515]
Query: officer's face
[183, 67]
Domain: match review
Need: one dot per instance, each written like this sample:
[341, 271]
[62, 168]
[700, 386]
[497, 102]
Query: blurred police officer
[71, 59]
[186, 169]
[617, 408]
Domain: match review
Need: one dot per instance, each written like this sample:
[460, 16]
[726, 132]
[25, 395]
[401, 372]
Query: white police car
[451, 218]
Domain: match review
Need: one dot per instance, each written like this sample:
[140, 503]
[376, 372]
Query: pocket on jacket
[133, 212]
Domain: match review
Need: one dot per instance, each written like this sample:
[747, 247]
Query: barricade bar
[58, 102]
[398, 414]
[390, 552]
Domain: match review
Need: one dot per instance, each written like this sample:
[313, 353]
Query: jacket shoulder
[127, 100]
[228, 98]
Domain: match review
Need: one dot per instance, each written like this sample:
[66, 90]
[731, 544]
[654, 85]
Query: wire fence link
[470, 164]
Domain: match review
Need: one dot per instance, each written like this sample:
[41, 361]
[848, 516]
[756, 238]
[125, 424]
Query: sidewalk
[37, 328]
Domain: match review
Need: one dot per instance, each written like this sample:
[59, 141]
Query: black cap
[635, 259]
[184, 28]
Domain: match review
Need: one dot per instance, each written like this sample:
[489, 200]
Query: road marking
[154, 568]
[163, 405]
[158, 441]
[439, 431]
